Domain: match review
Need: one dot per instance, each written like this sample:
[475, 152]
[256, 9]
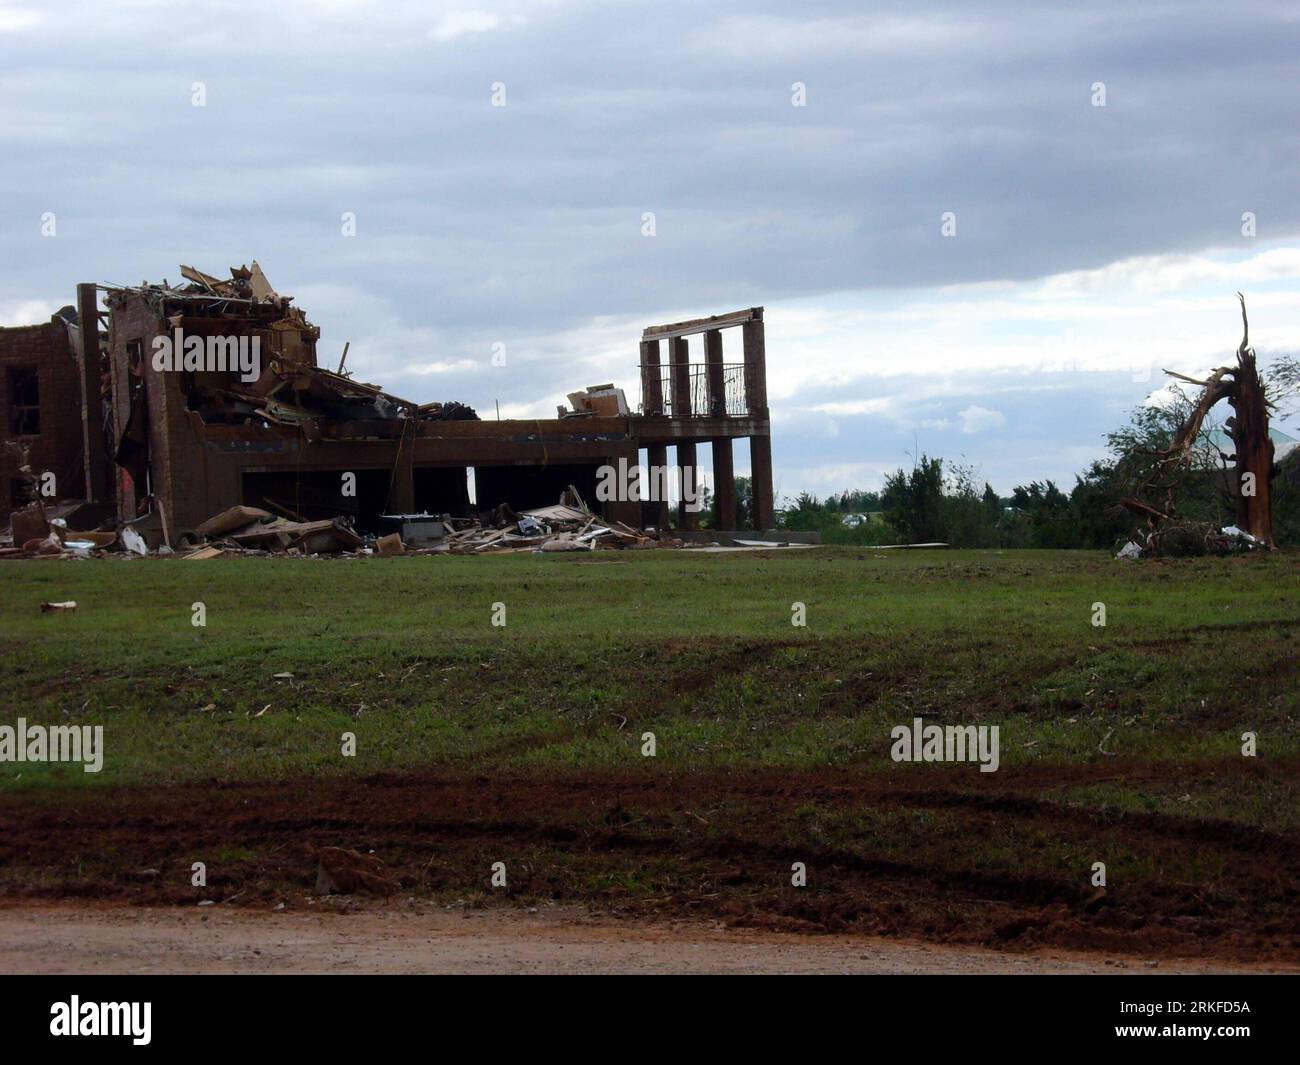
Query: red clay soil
[1003, 866]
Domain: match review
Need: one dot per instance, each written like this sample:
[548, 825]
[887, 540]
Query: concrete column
[98, 487]
[679, 358]
[124, 488]
[717, 402]
[724, 483]
[655, 488]
[688, 483]
[628, 511]
[760, 463]
[755, 367]
[401, 496]
[652, 386]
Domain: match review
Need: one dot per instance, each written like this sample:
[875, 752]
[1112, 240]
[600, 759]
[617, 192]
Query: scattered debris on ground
[567, 526]
[1181, 539]
[251, 531]
[243, 530]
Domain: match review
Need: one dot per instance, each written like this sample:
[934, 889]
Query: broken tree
[1241, 386]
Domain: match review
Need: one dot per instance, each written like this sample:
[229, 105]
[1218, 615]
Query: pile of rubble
[250, 530]
[36, 532]
[244, 530]
[289, 388]
[1183, 539]
[567, 526]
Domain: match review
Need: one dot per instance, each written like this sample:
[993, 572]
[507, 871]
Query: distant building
[110, 405]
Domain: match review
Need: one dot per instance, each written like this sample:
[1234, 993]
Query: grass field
[1119, 743]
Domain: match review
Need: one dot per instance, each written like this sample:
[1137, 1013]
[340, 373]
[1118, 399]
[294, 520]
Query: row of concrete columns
[682, 408]
[724, 481]
[679, 377]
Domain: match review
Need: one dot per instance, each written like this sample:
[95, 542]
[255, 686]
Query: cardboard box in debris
[603, 400]
[38, 531]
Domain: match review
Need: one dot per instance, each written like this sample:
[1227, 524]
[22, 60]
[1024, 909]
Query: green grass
[599, 648]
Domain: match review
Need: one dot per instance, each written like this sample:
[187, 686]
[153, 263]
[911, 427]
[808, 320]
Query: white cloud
[835, 476]
[455, 24]
[423, 369]
[25, 312]
[977, 419]
[1151, 274]
[1026, 335]
[878, 405]
[13, 19]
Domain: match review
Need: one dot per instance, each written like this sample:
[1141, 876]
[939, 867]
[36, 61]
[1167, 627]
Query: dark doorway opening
[525, 487]
[317, 494]
[442, 490]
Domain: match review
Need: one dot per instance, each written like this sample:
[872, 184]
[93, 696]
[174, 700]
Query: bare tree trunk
[1252, 480]
[1253, 483]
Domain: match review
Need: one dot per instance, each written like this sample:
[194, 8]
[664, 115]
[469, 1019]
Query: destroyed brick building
[41, 380]
[169, 403]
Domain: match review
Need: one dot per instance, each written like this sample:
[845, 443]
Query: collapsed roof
[291, 388]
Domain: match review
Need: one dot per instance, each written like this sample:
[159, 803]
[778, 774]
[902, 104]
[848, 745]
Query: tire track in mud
[247, 809]
[716, 843]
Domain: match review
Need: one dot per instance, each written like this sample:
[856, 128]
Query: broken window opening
[24, 401]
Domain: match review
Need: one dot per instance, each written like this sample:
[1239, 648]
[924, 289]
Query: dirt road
[68, 938]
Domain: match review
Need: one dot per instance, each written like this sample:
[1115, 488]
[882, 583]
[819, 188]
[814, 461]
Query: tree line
[937, 501]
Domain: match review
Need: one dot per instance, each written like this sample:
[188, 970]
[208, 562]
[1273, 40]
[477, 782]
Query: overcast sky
[1093, 245]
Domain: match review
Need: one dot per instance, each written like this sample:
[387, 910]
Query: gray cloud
[478, 224]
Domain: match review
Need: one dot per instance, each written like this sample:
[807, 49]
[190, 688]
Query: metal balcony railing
[700, 391]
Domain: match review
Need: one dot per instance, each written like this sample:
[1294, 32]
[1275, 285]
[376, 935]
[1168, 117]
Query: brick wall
[179, 473]
[57, 447]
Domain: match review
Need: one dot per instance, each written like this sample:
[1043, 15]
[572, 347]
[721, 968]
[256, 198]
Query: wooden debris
[232, 519]
[390, 545]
